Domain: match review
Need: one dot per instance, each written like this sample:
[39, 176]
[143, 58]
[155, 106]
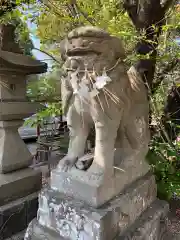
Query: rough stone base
[135, 211]
[150, 225]
[15, 216]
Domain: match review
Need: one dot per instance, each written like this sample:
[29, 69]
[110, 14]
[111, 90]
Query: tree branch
[50, 5]
[48, 54]
[85, 15]
[145, 14]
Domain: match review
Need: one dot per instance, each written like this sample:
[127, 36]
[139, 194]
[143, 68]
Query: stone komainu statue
[98, 90]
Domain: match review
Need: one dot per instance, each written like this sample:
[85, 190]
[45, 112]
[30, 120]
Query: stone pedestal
[133, 214]
[91, 188]
[19, 184]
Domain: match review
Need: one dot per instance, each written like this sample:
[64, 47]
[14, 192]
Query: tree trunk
[148, 16]
[171, 117]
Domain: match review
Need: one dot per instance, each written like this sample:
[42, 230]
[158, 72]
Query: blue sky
[39, 55]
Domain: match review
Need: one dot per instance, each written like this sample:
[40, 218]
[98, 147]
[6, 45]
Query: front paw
[67, 163]
[85, 161]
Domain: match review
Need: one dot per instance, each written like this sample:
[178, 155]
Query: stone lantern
[14, 107]
[19, 184]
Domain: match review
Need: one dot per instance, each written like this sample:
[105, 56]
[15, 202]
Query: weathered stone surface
[7, 38]
[32, 205]
[19, 92]
[17, 110]
[20, 64]
[11, 54]
[150, 225]
[15, 216]
[12, 218]
[98, 92]
[14, 105]
[18, 236]
[88, 31]
[93, 191]
[19, 184]
[17, 205]
[14, 152]
[72, 218]
[36, 232]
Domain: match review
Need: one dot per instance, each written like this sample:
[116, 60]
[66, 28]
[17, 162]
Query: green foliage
[164, 154]
[56, 19]
[165, 161]
[23, 37]
[46, 89]
[22, 34]
[47, 112]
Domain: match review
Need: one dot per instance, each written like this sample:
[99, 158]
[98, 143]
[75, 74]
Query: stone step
[151, 225]
[19, 184]
[15, 216]
[61, 214]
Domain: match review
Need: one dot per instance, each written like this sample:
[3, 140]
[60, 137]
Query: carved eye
[74, 64]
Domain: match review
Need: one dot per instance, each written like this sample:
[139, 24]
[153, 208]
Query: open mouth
[81, 52]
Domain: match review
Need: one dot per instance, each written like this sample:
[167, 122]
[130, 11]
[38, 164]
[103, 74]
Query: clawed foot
[85, 162]
[67, 163]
